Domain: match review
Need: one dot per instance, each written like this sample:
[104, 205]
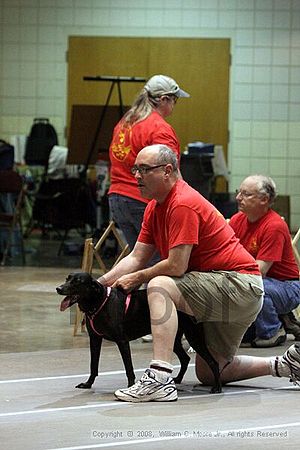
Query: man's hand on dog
[128, 282]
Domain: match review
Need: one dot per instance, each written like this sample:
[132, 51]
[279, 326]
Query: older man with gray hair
[267, 238]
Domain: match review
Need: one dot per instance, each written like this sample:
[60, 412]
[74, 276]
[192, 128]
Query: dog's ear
[98, 287]
[80, 278]
[70, 276]
[85, 277]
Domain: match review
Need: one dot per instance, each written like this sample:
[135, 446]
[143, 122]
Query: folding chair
[61, 205]
[12, 192]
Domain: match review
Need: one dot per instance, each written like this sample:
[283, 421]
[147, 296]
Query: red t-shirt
[186, 217]
[268, 239]
[127, 141]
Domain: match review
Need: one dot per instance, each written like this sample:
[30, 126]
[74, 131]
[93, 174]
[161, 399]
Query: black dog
[119, 317]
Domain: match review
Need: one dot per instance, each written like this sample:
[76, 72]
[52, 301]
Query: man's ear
[168, 169]
[265, 199]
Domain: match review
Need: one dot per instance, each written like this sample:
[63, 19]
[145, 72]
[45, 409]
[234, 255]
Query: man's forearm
[126, 265]
[174, 266]
[163, 267]
[132, 280]
[131, 271]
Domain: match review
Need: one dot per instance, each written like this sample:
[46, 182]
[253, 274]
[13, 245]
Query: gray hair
[266, 186]
[167, 156]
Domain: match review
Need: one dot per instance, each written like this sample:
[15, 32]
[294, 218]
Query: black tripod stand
[115, 81]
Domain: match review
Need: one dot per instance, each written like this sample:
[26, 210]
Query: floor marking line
[59, 377]
[74, 408]
[118, 444]
[67, 408]
[123, 404]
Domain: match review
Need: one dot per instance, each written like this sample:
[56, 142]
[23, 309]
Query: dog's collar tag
[127, 302]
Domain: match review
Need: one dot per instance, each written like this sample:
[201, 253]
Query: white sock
[162, 369]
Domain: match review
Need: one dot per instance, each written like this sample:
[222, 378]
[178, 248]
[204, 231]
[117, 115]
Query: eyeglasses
[245, 194]
[143, 170]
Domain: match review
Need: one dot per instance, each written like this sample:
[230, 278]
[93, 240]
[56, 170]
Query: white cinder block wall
[265, 73]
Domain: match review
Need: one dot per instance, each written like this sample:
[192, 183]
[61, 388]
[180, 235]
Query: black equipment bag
[40, 142]
[64, 204]
[7, 155]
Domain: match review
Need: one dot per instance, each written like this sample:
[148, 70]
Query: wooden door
[200, 67]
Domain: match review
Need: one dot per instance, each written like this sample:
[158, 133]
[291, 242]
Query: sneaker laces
[140, 383]
[147, 380]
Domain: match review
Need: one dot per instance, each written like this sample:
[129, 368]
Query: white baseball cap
[162, 85]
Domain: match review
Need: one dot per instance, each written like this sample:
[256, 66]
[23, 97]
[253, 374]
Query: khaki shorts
[226, 302]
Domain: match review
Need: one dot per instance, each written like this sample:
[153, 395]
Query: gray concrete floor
[41, 362]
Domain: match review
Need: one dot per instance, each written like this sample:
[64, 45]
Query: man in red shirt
[267, 238]
[204, 271]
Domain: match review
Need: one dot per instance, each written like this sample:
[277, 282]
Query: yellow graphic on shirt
[121, 146]
[253, 246]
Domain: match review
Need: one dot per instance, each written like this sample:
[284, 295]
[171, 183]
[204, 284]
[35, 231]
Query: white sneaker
[291, 358]
[147, 338]
[288, 365]
[149, 389]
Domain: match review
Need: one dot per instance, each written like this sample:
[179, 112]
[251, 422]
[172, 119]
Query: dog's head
[81, 288]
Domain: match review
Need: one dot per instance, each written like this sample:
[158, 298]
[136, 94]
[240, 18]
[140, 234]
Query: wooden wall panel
[200, 66]
[93, 56]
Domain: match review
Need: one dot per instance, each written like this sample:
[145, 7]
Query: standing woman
[143, 125]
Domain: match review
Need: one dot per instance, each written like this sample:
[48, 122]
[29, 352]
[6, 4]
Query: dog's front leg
[95, 348]
[124, 348]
